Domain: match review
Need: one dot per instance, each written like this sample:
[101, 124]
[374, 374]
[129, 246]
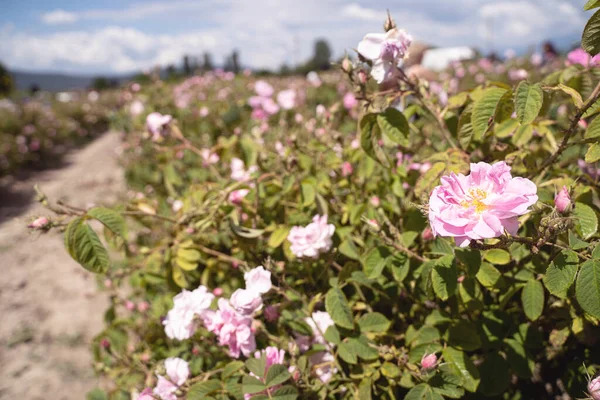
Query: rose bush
[308, 249]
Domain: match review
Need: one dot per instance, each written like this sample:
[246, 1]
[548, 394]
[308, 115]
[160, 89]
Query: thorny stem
[569, 131]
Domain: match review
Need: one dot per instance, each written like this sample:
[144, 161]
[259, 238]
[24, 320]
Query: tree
[207, 65]
[235, 61]
[322, 56]
[187, 68]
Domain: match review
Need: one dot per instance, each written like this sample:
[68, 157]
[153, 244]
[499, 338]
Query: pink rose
[313, 239]
[347, 169]
[232, 329]
[272, 356]
[237, 196]
[208, 157]
[481, 205]
[287, 99]
[239, 172]
[178, 372]
[581, 57]
[350, 101]
[319, 322]
[375, 202]
[263, 89]
[179, 323]
[562, 200]
[594, 388]
[258, 280]
[324, 362]
[157, 124]
[146, 394]
[245, 301]
[429, 361]
[136, 108]
[385, 50]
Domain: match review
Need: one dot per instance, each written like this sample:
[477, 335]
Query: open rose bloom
[313, 239]
[385, 50]
[481, 205]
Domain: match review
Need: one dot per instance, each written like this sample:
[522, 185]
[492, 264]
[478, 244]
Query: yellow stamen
[477, 195]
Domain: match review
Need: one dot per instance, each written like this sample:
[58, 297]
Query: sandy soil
[49, 307]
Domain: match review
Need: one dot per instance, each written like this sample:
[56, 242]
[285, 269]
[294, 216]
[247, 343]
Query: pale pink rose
[375, 202]
[594, 388]
[323, 364]
[245, 301]
[319, 322]
[581, 57]
[258, 280]
[321, 110]
[179, 323]
[562, 200]
[177, 205]
[536, 59]
[313, 239]
[129, 305]
[269, 106]
[518, 74]
[135, 87]
[143, 306]
[232, 329]
[429, 361]
[263, 89]
[272, 356]
[347, 169]
[146, 394]
[178, 372]
[239, 172]
[280, 149]
[313, 78]
[485, 64]
[237, 196]
[204, 111]
[255, 101]
[385, 50]
[39, 223]
[287, 99]
[350, 101]
[355, 144]
[208, 157]
[460, 72]
[157, 124]
[136, 108]
[481, 205]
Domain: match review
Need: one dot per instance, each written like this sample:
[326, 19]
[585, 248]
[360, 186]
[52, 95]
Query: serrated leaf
[463, 335]
[561, 273]
[257, 366]
[286, 392]
[109, 218]
[591, 4]
[348, 249]
[276, 375]
[587, 219]
[590, 40]
[232, 368]
[332, 335]
[587, 289]
[251, 385]
[367, 136]
[337, 306]
[191, 255]
[495, 375]
[179, 277]
[375, 261]
[575, 96]
[85, 247]
[497, 256]
[484, 109]
[347, 353]
[308, 192]
[394, 125]
[201, 390]
[422, 392]
[373, 322]
[185, 264]
[461, 365]
[532, 298]
[444, 277]
[593, 153]
[593, 129]
[528, 102]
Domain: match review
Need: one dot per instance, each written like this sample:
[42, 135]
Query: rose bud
[39, 223]
[429, 361]
[562, 200]
[594, 387]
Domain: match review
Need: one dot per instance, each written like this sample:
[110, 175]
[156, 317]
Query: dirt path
[49, 307]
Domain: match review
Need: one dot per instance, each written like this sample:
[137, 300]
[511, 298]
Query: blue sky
[113, 37]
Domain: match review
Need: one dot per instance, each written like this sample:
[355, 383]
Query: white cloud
[59, 17]
[269, 33]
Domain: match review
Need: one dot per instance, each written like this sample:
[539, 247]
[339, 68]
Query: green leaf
[374, 322]
[390, 370]
[308, 192]
[484, 109]
[109, 218]
[522, 135]
[286, 392]
[590, 40]
[587, 289]
[332, 335]
[348, 249]
[497, 256]
[575, 96]
[244, 232]
[593, 130]
[249, 150]
[232, 368]
[533, 299]
[394, 125]
[347, 352]
[251, 385]
[185, 264]
[465, 127]
[276, 375]
[375, 261]
[337, 306]
[463, 335]
[495, 375]
[85, 247]
[200, 390]
[363, 349]
[528, 102]
[257, 366]
[444, 277]
[593, 153]
[367, 136]
[461, 365]
[97, 394]
[560, 275]
[587, 219]
[422, 392]
[488, 275]
[278, 236]
[591, 4]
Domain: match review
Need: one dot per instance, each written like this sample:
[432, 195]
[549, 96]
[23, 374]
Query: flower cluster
[180, 322]
[239, 172]
[313, 239]
[385, 50]
[177, 371]
[157, 125]
[273, 356]
[323, 361]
